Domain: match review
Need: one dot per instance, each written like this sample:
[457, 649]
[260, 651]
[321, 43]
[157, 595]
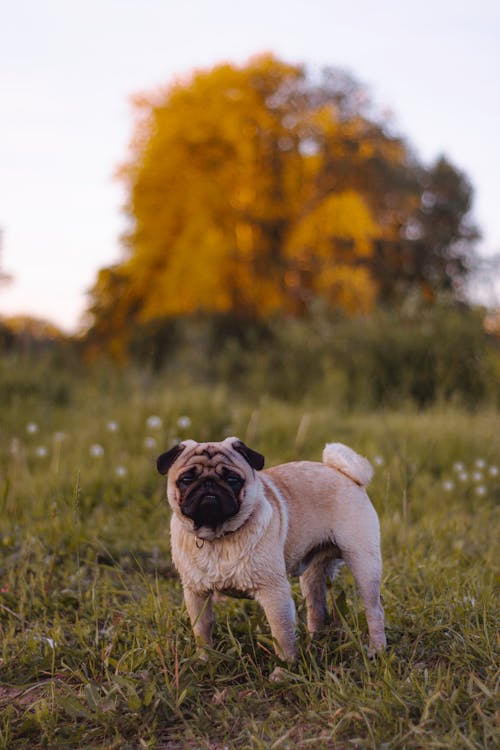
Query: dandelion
[470, 600]
[154, 422]
[378, 461]
[448, 486]
[96, 450]
[59, 437]
[493, 471]
[480, 490]
[458, 467]
[112, 426]
[478, 476]
[150, 442]
[32, 428]
[41, 451]
[121, 471]
[479, 463]
[463, 476]
[15, 448]
[184, 422]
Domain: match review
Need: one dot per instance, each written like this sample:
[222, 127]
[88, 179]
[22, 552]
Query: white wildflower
[458, 467]
[59, 437]
[32, 428]
[478, 476]
[479, 463]
[463, 476]
[154, 422]
[378, 461]
[184, 422]
[15, 448]
[480, 490]
[121, 471]
[96, 450]
[41, 451]
[448, 486]
[149, 442]
[493, 471]
[112, 426]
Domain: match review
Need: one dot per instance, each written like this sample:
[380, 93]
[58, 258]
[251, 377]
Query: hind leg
[367, 573]
[313, 587]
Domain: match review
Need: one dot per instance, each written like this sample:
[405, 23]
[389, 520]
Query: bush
[436, 355]
[422, 356]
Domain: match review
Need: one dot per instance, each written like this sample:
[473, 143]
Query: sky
[69, 69]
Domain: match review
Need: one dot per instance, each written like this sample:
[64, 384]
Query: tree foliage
[258, 189]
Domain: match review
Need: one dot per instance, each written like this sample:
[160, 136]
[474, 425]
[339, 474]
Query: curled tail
[344, 459]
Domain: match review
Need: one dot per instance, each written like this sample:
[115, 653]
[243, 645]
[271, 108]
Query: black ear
[165, 461]
[256, 460]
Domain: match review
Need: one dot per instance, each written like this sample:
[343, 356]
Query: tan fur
[301, 518]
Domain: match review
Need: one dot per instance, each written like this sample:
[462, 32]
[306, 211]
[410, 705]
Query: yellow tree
[207, 197]
[253, 190]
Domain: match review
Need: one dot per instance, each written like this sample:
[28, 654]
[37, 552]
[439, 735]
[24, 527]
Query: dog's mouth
[210, 509]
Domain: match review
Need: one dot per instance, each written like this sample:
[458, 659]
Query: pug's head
[211, 485]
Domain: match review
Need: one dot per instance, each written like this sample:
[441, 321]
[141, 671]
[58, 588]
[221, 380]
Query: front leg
[276, 600]
[199, 607]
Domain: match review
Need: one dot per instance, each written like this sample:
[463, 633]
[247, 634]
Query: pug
[240, 530]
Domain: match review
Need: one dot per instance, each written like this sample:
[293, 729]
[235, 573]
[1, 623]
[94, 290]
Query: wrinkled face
[208, 483]
[209, 490]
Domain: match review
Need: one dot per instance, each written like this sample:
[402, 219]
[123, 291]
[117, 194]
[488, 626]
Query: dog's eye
[233, 479]
[186, 479]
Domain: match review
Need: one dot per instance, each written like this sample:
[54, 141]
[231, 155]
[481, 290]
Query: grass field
[96, 649]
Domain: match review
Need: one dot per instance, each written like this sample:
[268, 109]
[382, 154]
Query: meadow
[96, 648]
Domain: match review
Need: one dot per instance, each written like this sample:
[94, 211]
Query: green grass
[96, 649]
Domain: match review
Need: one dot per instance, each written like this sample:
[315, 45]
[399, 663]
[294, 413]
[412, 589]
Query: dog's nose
[209, 501]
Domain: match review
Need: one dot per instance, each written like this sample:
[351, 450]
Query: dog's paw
[201, 654]
[375, 649]
[278, 675]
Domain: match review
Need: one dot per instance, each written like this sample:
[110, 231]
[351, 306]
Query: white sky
[69, 67]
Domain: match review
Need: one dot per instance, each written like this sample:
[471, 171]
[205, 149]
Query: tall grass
[96, 648]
